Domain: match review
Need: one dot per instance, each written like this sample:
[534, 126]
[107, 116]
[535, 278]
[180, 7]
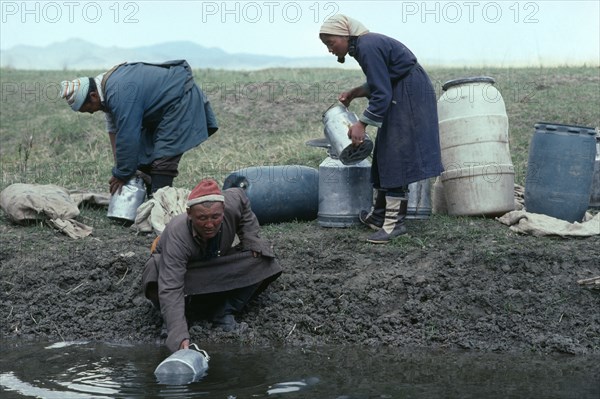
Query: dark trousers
[162, 172]
[216, 305]
[209, 306]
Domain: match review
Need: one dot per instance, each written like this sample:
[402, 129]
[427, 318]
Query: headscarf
[75, 91]
[341, 25]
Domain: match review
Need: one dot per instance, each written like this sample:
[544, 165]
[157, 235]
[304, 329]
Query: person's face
[206, 218]
[93, 104]
[336, 45]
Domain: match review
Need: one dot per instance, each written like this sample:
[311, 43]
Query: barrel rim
[561, 127]
[462, 81]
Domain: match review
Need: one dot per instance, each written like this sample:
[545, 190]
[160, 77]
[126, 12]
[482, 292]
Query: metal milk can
[344, 176]
[183, 366]
[337, 120]
[124, 205]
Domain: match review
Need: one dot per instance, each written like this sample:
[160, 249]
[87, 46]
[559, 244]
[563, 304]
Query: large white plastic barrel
[479, 174]
[486, 190]
[438, 198]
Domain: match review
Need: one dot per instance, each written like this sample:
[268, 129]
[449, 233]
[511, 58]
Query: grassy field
[265, 118]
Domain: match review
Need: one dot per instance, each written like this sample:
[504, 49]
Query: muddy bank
[450, 283]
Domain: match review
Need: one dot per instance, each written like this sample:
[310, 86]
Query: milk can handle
[202, 351]
[335, 104]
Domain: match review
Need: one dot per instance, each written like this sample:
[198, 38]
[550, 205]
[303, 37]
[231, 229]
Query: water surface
[102, 370]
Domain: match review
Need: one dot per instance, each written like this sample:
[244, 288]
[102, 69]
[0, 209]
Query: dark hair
[92, 88]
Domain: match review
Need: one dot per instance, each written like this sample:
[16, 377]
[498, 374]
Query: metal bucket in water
[183, 367]
[337, 120]
[124, 205]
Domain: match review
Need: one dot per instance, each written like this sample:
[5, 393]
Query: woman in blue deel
[154, 113]
[402, 105]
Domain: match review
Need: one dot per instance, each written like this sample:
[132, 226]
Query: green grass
[265, 118]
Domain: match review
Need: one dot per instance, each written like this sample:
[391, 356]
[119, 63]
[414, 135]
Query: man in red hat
[195, 268]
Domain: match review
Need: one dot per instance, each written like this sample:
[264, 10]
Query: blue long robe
[157, 111]
[402, 104]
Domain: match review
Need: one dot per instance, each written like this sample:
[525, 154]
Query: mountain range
[78, 54]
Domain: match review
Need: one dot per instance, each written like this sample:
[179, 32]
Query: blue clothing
[157, 110]
[403, 106]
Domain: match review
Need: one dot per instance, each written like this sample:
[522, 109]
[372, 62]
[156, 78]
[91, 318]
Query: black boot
[235, 301]
[374, 218]
[393, 225]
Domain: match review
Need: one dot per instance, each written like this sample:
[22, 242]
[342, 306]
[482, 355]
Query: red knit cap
[206, 190]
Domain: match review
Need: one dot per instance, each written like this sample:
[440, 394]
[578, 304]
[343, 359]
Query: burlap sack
[26, 202]
[544, 225]
[154, 214]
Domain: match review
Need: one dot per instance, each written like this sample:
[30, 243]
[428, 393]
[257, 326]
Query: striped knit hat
[75, 91]
[206, 190]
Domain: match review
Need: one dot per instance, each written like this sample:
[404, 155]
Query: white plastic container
[438, 198]
[479, 191]
[473, 124]
[479, 175]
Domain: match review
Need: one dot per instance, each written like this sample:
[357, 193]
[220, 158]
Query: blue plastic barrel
[560, 169]
[280, 193]
[595, 197]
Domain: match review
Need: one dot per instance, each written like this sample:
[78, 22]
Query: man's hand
[185, 344]
[115, 185]
[356, 133]
[346, 97]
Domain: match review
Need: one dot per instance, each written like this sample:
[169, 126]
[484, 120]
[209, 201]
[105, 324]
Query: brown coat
[179, 268]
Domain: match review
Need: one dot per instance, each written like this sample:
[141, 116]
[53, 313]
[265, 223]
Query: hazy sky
[473, 32]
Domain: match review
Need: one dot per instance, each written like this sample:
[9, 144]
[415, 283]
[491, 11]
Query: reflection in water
[92, 370]
[291, 386]
[10, 383]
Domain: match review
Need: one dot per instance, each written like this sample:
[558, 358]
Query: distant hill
[77, 54]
